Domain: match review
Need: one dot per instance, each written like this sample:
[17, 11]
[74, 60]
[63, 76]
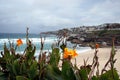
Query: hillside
[85, 35]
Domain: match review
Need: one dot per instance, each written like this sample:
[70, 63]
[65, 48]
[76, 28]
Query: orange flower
[75, 54]
[19, 42]
[97, 45]
[69, 53]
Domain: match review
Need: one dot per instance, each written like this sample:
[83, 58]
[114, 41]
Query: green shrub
[25, 67]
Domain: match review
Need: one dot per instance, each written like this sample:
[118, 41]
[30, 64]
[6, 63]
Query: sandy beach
[103, 56]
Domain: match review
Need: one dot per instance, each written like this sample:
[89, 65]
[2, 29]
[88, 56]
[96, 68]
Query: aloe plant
[26, 67]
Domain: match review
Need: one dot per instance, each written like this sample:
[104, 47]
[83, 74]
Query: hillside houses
[86, 34]
[101, 34]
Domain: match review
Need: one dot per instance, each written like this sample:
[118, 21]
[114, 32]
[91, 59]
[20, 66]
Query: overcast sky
[49, 15]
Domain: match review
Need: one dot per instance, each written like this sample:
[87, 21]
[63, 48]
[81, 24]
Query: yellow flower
[69, 53]
[19, 42]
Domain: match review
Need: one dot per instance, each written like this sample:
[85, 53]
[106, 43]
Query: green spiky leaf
[67, 71]
[21, 78]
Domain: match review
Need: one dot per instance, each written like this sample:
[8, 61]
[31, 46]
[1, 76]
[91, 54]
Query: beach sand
[103, 56]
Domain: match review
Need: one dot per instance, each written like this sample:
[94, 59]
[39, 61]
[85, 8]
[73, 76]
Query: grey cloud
[55, 14]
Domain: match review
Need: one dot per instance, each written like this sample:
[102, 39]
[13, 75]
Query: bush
[25, 67]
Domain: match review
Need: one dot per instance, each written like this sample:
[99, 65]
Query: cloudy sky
[49, 15]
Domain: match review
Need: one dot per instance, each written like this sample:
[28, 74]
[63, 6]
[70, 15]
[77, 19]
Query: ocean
[35, 38]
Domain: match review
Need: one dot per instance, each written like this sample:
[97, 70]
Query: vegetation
[26, 67]
[107, 32]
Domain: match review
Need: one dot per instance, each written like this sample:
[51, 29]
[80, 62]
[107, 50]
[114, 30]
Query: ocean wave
[34, 40]
[37, 52]
[80, 50]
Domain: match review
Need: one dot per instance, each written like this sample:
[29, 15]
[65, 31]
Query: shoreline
[103, 56]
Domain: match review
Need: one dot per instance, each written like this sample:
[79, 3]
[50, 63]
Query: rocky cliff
[85, 35]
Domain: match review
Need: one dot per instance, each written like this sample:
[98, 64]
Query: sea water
[35, 39]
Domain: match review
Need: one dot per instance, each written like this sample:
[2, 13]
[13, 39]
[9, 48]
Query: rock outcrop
[91, 34]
